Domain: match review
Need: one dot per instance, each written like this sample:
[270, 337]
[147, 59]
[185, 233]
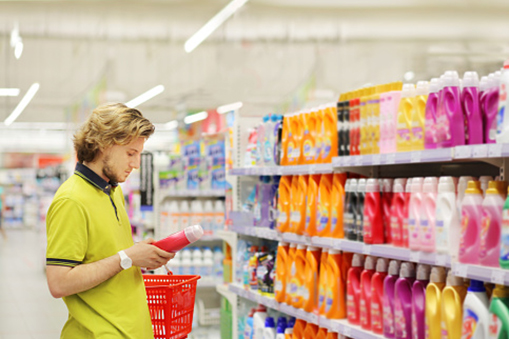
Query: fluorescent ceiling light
[145, 96]
[228, 108]
[171, 125]
[196, 117]
[9, 92]
[22, 104]
[213, 24]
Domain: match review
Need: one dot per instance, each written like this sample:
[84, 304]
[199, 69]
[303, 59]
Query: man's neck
[97, 168]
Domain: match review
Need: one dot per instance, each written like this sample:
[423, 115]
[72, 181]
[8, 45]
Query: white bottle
[269, 332]
[184, 214]
[268, 147]
[219, 212]
[197, 261]
[503, 106]
[475, 312]
[462, 187]
[197, 214]
[173, 219]
[218, 264]
[485, 179]
[174, 265]
[208, 217]
[447, 222]
[428, 213]
[259, 322]
[414, 214]
[186, 261]
[208, 262]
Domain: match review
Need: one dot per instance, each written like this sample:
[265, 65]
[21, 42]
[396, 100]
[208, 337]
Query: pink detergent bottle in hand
[450, 120]
[471, 214]
[398, 209]
[403, 301]
[472, 109]
[414, 214]
[427, 218]
[373, 221]
[430, 116]
[491, 224]
[419, 301]
[181, 239]
[389, 326]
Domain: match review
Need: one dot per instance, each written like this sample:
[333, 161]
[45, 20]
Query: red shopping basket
[171, 303]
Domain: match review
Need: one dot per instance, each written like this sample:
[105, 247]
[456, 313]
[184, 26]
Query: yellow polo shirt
[87, 222]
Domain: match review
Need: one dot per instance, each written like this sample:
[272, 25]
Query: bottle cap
[470, 79]
[417, 185]
[408, 91]
[496, 187]
[293, 245]
[281, 325]
[387, 185]
[369, 263]
[251, 312]
[301, 247]
[473, 187]
[313, 249]
[382, 264]
[423, 272]
[408, 187]
[446, 184]
[358, 260]
[483, 84]
[500, 291]
[347, 185]
[506, 64]
[476, 286]
[407, 270]
[261, 308]
[282, 244]
[333, 251]
[399, 185]
[291, 323]
[430, 185]
[437, 275]
[422, 88]
[394, 267]
[361, 186]
[193, 233]
[463, 182]
[453, 280]
[353, 185]
[372, 185]
[451, 79]
[269, 322]
[434, 85]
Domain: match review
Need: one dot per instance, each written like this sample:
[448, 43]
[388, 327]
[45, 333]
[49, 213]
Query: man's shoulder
[73, 188]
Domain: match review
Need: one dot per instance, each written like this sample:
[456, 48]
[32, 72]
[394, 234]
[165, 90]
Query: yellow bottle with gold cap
[419, 114]
[453, 296]
[404, 119]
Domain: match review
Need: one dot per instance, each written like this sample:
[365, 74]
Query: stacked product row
[199, 261]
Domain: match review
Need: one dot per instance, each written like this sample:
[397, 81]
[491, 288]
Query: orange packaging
[283, 204]
[308, 139]
[280, 279]
[335, 302]
[284, 140]
[299, 200]
[324, 207]
[337, 202]
[290, 262]
[299, 127]
[332, 335]
[330, 134]
[311, 274]
[297, 278]
[319, 136]
[322, 281]
[311, 331]
[312, 201]
[293, 140]
[322, 333]
[298, 329]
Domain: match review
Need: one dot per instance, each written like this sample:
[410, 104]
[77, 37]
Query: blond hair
[108, 125]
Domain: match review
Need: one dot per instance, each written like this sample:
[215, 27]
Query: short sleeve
[67, 233]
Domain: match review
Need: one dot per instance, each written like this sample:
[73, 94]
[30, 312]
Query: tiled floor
[27, 309]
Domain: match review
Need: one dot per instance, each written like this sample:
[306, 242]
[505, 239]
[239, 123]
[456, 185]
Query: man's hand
[143, 254]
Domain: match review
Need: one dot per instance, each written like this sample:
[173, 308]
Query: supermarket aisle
[27, 310]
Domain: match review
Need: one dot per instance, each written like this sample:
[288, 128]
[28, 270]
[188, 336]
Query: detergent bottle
[450, 122]
[341, 124]
[290, 262]
[373, 220]
[414, 214]
[281, 272]
[260, 144]
[403, 301]
[502, 121]
[376, 123]
[310, 331]
[322, 333]
[298, 216]
[427, 218]
[461, 189]
[285, 137]
[283, 204]
[472, 109]
[289, 328]
[365, 297]
[311, 203]
[491, 223]
[310, 287]
[269, 332]
[335, 286]
[298, 329]
[322, 281]
[419, 116]
[504, 238]
[259, 318]
[353, 290]
[346, 125]
[363, 122]
[405, 230]
[392, 101]
[433, 327]
[447, 221]
[337, 207]
[489, 103]
[292, 140]
[419, 301]
[389, 324]
[297, 278]
[430, 138]
[404, 118]
[387, 197]
[383, 116]
[475, 312]
[319, 135]
[324, 207]
[471, 215]
[484, 180]
[499, 312]
[398, 208]
[377, 294]
[453, 296]
[281, 327]
[349, 215]
[308, 139]
[359, 213]
[330, 140]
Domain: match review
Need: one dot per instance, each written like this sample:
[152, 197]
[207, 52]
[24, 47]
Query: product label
[282, 217]
[350, 307]
[395, 230]
[485, 225]
[495, 326]
[322, 218]
[267, 152]
[322, 296]
[376, 315]
[295, 217]
[470, 320]
[290, 152]
[309, 150]
[364, 312]
[400, 321]
[417, 133]
[326, 148]
[441, 234]
[412, 228]
[415, 329]
[504, 242]
[388, 317]
[308, 216]
[367, 228]
[278, 286]
[442, 128]
[464, 225]
[445, 333]
[425, 230]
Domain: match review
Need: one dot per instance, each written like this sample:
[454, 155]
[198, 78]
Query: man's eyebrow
[134, 150]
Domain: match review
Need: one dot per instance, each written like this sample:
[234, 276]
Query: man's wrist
[125, 261]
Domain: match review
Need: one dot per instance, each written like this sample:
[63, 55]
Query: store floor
[27, 309]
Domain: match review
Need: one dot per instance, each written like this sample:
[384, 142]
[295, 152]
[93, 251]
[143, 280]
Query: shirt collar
[93, 178]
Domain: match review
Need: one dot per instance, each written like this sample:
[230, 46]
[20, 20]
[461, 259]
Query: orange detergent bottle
[312, 201]
[283, 204]
[293, 140]
[298, 329]
[298, 216]
[297, 279]
[319, 135]
[284, 140]
[324, 207]
[280, 279]
[308, 139]
[294, 207]
[337, 204]
[332, 335]
[335, 301]
[311, 331]
[299, 155]
[322, 333]
[290, 262]
[323, 281]
[330, 133]
[311, 274]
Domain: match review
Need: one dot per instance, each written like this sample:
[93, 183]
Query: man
[91, 260]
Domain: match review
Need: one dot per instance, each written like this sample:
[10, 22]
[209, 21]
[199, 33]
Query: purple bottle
[388, 299]
[403, 301]
[419, 302]
[430, 119]
[489, 100]
[473, 117]
[450, 118]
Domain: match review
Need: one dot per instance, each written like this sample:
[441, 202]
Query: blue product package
[191, 149]
[192, 178]
[215, 148]
[218, 174]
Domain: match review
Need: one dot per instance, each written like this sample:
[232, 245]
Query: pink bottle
[383, 122]
[450, 122]
[472, 110]
[491, 224]
[181, 239]
[398, 210]
[388, 299]
[392, 102]
[405, 230]
[403, 301]
[489, 106]
[373, 222]
[419, 302]
[365, 300]
[353, 290]
[377, 295]
[414, 214]
[387, 194]
[427, 218]
[471, 214]
[430, 122]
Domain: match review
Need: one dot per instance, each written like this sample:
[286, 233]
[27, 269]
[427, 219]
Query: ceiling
[262, 56]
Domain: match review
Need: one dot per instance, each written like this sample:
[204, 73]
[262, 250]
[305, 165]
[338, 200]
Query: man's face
[120, 160]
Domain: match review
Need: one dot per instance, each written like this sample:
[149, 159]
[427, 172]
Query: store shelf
[191, 194]
[283, 170]
[339, 326]
[205, 282]
[494, 275]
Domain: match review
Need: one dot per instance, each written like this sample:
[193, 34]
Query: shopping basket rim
[193, 278]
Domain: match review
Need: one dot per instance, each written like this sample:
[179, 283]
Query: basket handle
[194, 278]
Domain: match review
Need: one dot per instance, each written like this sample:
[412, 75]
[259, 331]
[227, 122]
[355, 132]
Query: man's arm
[64, 281]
